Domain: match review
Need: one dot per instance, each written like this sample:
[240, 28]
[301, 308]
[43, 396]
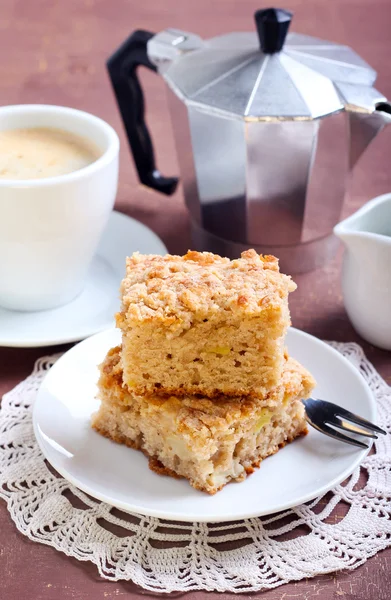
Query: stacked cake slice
[201, 383]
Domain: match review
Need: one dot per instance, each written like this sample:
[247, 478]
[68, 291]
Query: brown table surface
[54, 52]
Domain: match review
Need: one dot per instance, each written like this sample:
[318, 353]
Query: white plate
[120, 476]
[93, 309]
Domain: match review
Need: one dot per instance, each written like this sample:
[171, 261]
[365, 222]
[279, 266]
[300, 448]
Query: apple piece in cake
[209, 442]
[202, 324]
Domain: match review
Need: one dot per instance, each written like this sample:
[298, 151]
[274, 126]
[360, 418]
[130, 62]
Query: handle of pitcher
[122, 67]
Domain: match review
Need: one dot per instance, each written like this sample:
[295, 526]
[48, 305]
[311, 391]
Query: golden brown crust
[177, 290]
[157, 467]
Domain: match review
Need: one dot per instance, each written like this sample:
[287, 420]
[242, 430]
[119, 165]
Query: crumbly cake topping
[179, 289]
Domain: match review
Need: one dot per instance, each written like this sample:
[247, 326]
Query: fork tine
[349, 416]
[350, 427]
[326, 429]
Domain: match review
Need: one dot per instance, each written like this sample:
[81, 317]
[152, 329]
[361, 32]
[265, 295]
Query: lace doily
[161, 556]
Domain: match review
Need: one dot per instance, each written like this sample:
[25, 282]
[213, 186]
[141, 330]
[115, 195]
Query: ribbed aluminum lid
[308, 78]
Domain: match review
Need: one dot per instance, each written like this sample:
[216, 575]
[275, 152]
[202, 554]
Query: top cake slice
[202, 324]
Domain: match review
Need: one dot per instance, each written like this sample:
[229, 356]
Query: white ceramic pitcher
[366, 274]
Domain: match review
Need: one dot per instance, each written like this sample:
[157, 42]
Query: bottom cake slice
[209, 442]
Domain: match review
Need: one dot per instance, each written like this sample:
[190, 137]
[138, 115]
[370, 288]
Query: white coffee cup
[50, 228]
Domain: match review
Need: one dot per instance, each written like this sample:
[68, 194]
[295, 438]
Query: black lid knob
[272, 26]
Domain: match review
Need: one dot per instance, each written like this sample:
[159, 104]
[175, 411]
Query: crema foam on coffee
[42, 152]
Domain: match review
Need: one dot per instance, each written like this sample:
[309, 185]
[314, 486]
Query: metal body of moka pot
[267, 128]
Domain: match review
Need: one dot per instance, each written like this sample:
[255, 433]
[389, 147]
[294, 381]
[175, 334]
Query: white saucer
[120, 476]
[94, 309]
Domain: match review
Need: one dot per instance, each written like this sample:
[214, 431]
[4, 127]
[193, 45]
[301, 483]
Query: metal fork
[328, 418]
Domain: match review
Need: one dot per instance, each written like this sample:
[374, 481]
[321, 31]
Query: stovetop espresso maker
[267, 127]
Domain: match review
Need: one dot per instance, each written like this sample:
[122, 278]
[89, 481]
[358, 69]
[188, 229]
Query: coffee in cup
[40, 152]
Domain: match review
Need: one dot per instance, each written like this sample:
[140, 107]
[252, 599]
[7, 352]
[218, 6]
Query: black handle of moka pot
[122, 67]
